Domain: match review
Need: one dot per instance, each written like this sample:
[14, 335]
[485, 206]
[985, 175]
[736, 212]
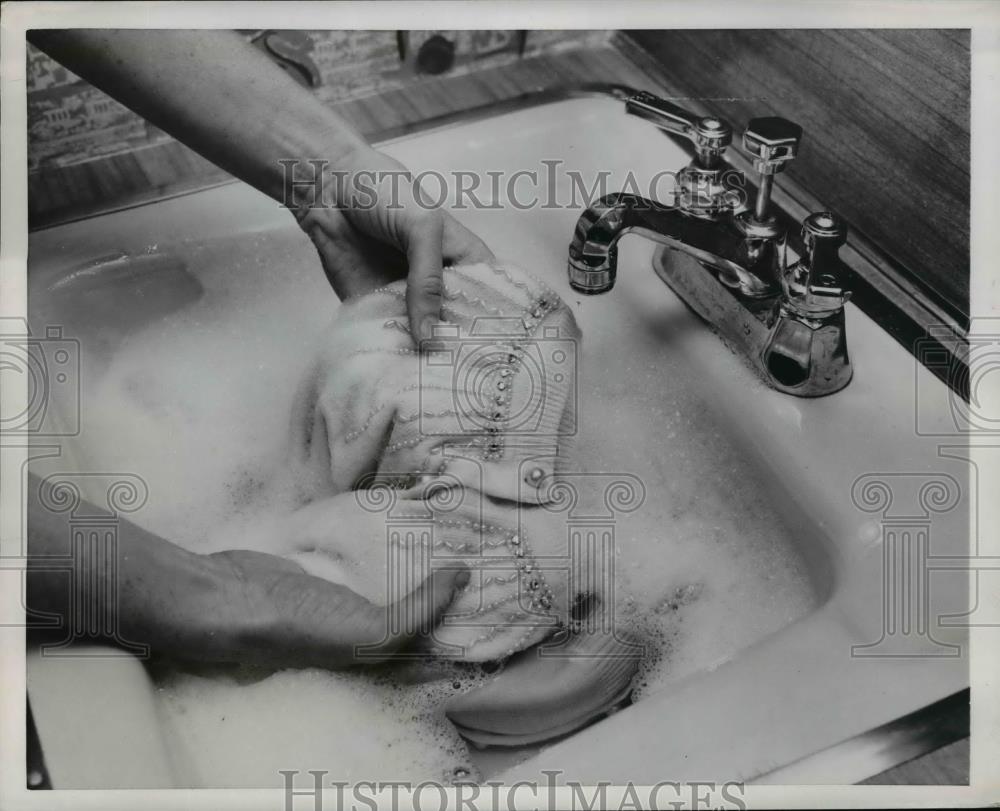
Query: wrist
[318, 180]
[202, 608]
[246, 605]
[355, 177]
[197, 613]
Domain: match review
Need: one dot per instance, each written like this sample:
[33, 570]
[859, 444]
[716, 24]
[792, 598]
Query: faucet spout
[741, 260]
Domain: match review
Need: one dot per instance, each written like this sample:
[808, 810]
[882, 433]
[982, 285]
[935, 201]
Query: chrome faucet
[727, 260]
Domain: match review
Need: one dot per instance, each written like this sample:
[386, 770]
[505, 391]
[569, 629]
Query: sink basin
[776, 560]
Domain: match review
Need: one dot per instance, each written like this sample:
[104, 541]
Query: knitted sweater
[450, 454]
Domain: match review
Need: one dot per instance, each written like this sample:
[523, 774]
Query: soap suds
[228, 730]
[197, 403]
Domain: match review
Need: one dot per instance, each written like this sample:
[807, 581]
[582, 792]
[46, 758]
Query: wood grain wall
[886, 120]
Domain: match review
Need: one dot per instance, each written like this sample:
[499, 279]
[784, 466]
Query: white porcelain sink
[769, 502]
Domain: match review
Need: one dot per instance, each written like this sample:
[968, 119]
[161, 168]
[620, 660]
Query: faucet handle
[709, 135]
[816, 284]
[772, 142]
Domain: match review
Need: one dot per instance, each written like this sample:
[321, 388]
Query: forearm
[150, 591]
[236, 606]
[215, 93]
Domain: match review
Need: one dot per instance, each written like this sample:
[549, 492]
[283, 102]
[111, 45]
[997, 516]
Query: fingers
[358, 244]
[424, 283]
[420, 610]
[353, 263]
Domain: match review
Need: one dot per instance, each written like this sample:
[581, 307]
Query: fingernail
[462, 579]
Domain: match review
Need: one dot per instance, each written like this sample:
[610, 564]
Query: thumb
[424, 283]
[420, 610]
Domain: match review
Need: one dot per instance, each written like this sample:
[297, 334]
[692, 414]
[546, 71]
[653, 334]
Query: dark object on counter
[436, 55]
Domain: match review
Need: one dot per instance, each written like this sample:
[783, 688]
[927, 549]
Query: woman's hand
[275, 614]
[382, 232]
[271, 610]
[241, 606]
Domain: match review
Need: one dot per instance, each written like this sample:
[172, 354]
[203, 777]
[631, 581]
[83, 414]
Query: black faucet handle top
[772, 142]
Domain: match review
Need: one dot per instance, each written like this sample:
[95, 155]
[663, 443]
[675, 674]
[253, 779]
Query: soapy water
[196, 401]
[235, 727]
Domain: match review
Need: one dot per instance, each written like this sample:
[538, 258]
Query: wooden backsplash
[886, 120]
